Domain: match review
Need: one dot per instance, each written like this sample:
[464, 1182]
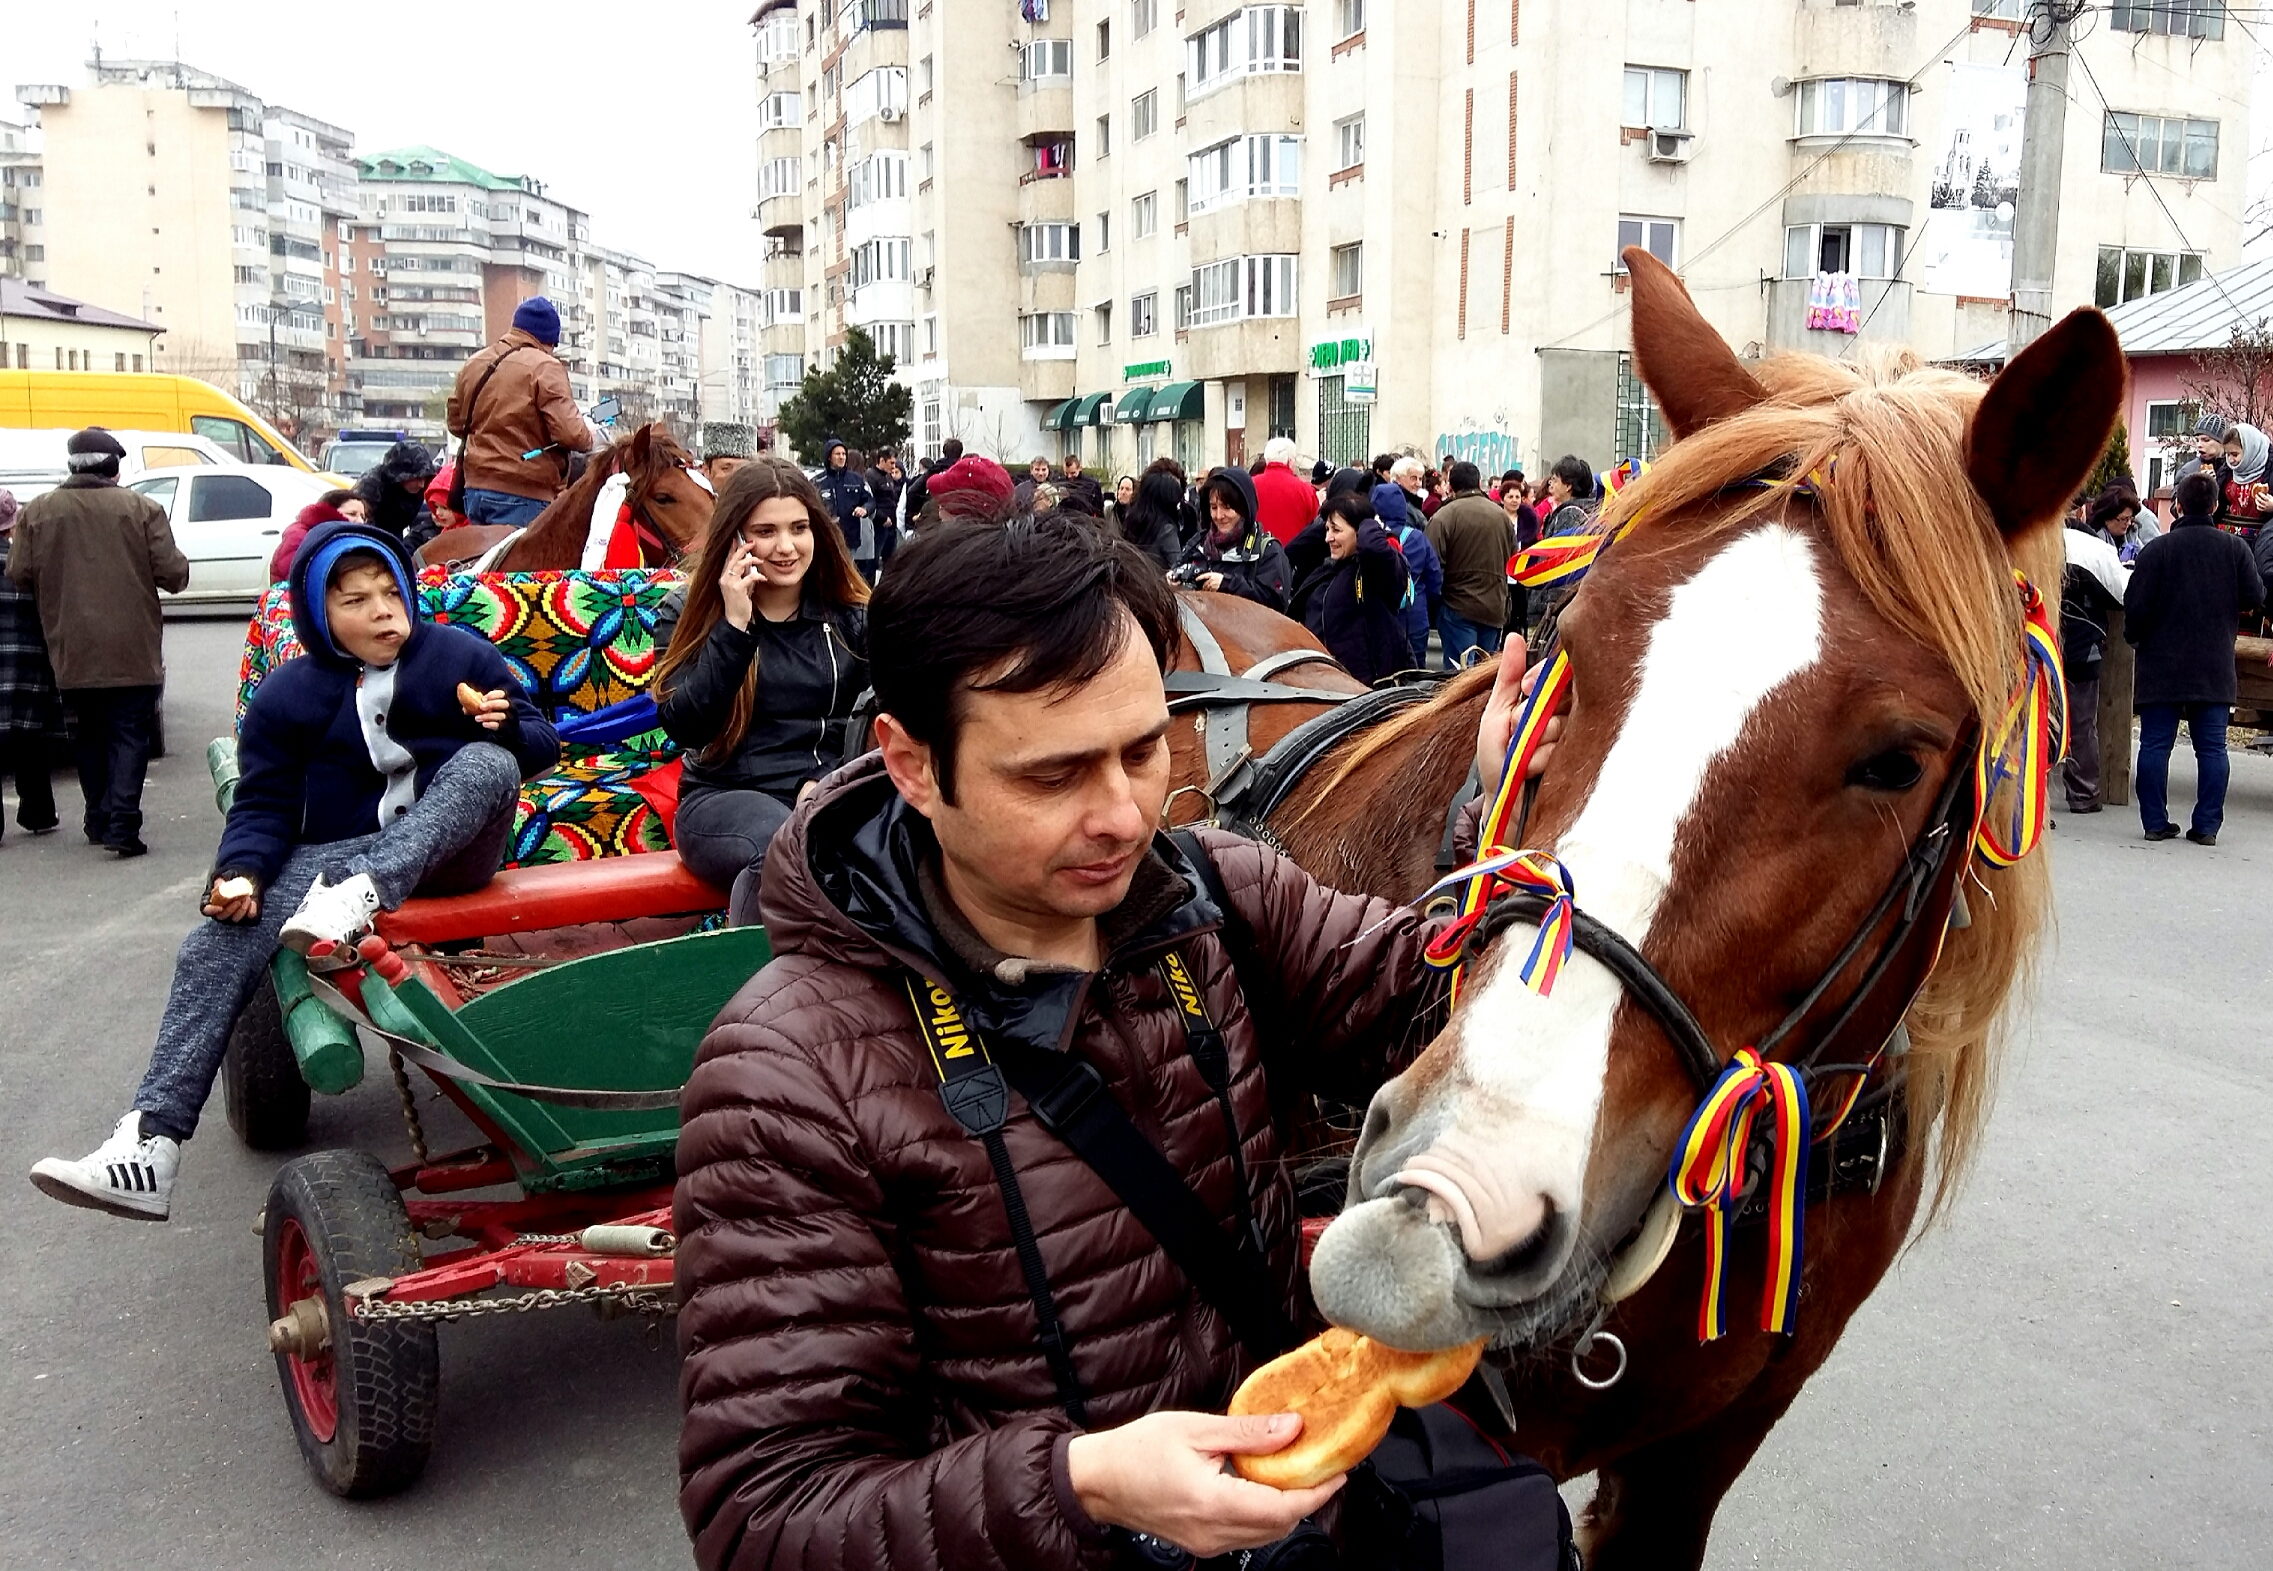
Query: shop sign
[1329, 356]
[1146, 370]
[1358, 382]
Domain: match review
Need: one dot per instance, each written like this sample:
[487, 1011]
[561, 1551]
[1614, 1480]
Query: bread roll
[1347, 1387]
[234, 888]
[470, 698]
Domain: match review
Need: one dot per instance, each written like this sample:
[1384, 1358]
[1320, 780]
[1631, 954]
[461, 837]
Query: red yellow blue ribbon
[2032, 739]
[1632, 469]
[1504, 869]
[1554, 560]
[1708, 1174]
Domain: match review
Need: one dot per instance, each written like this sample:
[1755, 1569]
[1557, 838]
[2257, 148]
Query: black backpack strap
[975, 1093]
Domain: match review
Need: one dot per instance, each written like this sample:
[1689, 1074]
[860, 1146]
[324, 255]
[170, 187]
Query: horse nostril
[1414, 1196]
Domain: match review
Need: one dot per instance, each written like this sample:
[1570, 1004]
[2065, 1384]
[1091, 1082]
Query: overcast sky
[644, 115]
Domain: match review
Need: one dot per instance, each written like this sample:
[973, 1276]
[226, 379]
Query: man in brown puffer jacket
[865, 1384]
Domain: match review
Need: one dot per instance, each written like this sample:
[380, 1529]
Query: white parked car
[33, 461]
[227, 519]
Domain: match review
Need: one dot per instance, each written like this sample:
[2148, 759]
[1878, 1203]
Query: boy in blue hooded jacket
[366, 777]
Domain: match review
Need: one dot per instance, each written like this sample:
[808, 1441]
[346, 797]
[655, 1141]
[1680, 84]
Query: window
[1241, 287]
[1104, 231]
[1640, 428]
[1144, 215]
[1853, 106]
[1349, 142]
[1183, 304]
[1052, 160]
[880, 177]
[1349, 18]
[1104, 315]
[776, 110]
[927, 75]
[1144, 16]
[1655, 98]
[1348, 276]
[1183, 200]
[2003, 10]
[1244, 167]
[2149, 144]
[1049, 243]
[215, 499]
[2128, 275]
[236, 438]
[784, 371]
[2178, 18]
[1144, 114]
[1104, 40]
[1144, 315]
[782, 305]
[1258, 38]
[881, 91]
[1046, 335]
[1104, 135]
[1656, 235]
[1045, 57]
[1866, 250]
[779, 177]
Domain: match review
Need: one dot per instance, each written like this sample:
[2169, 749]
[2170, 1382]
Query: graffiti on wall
[1494, 452]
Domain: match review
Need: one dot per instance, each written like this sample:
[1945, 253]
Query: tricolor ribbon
[1632, 469]
[1709, 1171]
[1504, 869]
[2032, 739]
[1555, 560]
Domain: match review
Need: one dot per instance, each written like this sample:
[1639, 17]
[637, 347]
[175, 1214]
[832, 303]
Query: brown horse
[1773, 685]
[670, 508]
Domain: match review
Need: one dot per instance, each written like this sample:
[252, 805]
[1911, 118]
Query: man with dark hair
[2187, 593]
[918, 489]
[922, 1325]
[1473, 538]
[94, 556]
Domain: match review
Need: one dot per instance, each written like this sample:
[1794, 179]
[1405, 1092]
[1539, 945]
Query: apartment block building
[721, 355]
[23, 198]
[1383, 223]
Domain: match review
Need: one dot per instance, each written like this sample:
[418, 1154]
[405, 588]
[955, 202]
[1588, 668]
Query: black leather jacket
[810, 670]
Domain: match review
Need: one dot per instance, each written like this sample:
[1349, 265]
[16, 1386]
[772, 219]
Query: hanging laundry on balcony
[1034, 10]
[1834, 303]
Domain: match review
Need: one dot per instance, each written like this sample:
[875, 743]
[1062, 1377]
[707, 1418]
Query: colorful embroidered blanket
[579, 641]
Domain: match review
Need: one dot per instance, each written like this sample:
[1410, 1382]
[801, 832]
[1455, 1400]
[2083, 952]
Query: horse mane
[575, 501]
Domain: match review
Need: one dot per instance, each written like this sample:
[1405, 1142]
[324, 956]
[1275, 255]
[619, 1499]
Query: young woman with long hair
[765, 649]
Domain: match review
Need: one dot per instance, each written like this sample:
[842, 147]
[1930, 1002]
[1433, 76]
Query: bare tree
[2236, 379]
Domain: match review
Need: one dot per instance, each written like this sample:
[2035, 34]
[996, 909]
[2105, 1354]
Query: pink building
[2162, 335]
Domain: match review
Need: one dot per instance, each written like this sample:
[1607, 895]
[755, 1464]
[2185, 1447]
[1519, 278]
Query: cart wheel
[363, 1401]
[260, 1079]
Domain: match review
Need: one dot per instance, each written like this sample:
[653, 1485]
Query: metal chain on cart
[410, 1105]
[629, 1299]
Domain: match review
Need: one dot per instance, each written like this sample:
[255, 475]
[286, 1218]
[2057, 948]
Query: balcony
[781, 215]
[1883, 310]
[1045, 109]
[860, 15]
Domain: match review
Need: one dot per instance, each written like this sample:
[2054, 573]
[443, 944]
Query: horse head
[1780, 676]
[666, 490]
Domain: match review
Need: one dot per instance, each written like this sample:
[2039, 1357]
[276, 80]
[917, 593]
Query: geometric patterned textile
[578, 642]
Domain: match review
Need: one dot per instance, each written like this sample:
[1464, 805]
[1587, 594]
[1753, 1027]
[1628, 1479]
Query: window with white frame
[1349, 142]
[894, 341]
[1045, 58]
[2002, 10]
[1255, 39]
[1242, 168]
[2126, 274]
[1046, 335]
[1144, 315]
[780, 177]
[1349, 18]
[2151, 144]
[1656, 98]
[1144, 114]
[1239, 288]
[1348, 271]
[928, 167]
[1104, 315]
[1865, 250]
[1853, 106]
[1144, 215]
[879, 177]
[931, 337]
[777, 37]
[883, 90]
[1183, 307]
[1104, 144]
[2177, 18]
[1049, 243]
[1658, 236]
[927, 75]
[1144, 16]
[1183, 200]
[784, 370]
[879, 261]
[1104, 232]
[783, 305]
[776, 110]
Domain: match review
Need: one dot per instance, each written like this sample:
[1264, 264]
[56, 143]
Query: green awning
[1060, 417]
[1134, 403]
[1178, 401]
[1085, 411]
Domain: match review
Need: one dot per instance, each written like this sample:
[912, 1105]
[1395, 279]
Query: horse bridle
[643, 529]
[1924, 885]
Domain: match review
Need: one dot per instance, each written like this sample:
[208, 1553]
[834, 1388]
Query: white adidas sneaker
[331, 918]
[126, 1175]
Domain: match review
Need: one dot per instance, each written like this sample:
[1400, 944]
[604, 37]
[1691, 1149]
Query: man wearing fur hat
[95, 556]
[726, 447]
[513, 398]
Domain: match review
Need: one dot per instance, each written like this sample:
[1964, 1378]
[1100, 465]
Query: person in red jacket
[1285, 503]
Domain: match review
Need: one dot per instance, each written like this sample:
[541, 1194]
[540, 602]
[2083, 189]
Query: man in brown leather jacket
[510, 399]
[869, 1380]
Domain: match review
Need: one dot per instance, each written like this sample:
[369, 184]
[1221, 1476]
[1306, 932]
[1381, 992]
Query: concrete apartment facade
[1369, 224]
[23, 200]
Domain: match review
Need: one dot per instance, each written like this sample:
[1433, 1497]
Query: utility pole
[2036, 212]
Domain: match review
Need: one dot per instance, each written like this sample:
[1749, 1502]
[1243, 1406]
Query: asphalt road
[2074, 1370]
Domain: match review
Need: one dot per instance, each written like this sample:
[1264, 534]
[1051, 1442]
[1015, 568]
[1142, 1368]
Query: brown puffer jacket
[863, 1383]
[525, 406]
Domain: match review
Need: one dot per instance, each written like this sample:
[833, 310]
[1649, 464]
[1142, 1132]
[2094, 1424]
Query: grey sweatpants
[449, 842]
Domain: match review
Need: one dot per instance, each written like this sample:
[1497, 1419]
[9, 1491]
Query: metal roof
[20, 299]
[2185, 320]
[432, 164]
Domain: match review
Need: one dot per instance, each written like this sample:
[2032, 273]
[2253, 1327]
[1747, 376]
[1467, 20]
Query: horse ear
[1695, 376]
[637, 452]
[2045, 420]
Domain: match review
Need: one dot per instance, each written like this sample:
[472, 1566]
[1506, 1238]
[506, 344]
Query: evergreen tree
[855, 401]
[2114, 463]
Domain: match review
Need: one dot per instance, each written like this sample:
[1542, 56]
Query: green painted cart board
[626, 1019]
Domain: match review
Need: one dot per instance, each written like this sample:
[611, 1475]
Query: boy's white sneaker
[126, 1175]
[332, 917]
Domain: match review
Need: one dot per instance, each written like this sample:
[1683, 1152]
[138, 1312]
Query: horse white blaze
[1532, 1070]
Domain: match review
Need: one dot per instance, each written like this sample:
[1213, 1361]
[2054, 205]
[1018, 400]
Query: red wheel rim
[314, 1381]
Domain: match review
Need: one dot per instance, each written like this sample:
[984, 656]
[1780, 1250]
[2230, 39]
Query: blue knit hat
[538, 319]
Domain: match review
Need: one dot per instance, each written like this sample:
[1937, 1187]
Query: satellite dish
[1778, 86]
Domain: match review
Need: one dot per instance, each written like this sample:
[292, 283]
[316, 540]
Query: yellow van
[143, 402]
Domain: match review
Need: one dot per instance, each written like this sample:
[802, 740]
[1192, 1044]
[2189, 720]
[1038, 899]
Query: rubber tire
[261, 1086]
[389, 1373]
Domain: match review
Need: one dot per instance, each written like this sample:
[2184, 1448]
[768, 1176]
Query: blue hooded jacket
[307, 776]
[1401, 522]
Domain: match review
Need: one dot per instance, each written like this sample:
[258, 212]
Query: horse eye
[1892, 770]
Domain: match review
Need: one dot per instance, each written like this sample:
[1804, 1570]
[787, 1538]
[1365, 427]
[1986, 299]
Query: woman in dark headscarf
[31, 711]
[394, 490]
